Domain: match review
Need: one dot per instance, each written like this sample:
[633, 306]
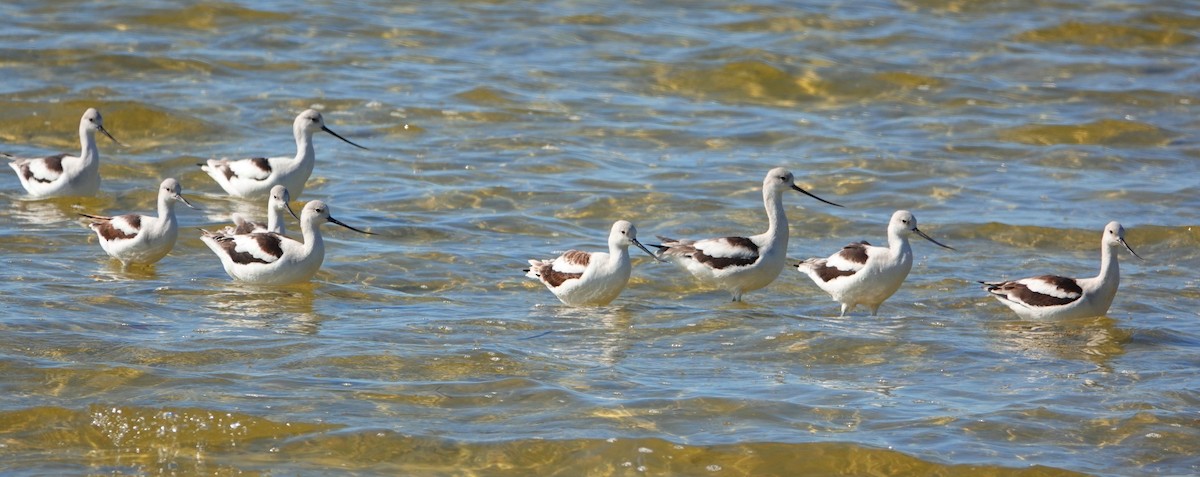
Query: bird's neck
[89, 151]
[777, 223]
[898, 245]
[617, 254]
[312, 236]
[166, 210]
[273, 218]
[304, 144]
[1110, 272]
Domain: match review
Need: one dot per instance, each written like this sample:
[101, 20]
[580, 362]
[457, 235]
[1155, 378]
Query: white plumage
[590, 279]
[742, 264]
[1057, 297]
[254, 178]
[863, 274]
[268, 258]
[63, 174]
[276, 205]
[137, 239]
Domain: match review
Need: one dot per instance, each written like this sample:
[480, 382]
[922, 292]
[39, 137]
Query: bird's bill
[180, 198]
[110, 136]
[648, 252]
[1130, 249]
[926, 237]
[330, 131]
[810, 194]
[336, 221]
[287, 204]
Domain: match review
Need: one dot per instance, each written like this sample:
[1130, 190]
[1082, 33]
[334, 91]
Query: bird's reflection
[56, 212]
[593, 335]
[112, 270]
[285, 309]
[1097, 339]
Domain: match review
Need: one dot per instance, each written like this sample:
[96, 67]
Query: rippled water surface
[503, 130]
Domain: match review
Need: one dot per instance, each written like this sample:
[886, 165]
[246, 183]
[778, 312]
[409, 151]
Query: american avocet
[863, 274]
[63, 174]
[590, 279]
[742, 264]
[1052, 296]
[276, 205]
[273, 259]
[137, 239]
[253, 178]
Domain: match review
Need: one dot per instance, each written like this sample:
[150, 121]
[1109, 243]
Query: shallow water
[502, 131]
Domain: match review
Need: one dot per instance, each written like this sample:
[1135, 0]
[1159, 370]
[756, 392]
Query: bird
[590, 278]
[864, 274]
[254, 177]
[741, 264]
[137, 239]
[278, 202]
[1057, 297]
[64, 175]
[268, 258]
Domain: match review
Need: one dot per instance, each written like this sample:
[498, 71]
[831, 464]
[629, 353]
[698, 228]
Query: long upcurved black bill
[185, 201]
[288, 205]
[1127, 247]
[330, 131]
[794, 186]
[336, 221]
[110, 136]
[926, 237]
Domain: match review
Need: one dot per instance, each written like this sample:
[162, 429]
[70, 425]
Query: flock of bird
[249, 252]
[261, 254]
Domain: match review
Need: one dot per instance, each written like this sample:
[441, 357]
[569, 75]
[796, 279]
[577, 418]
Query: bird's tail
[534, 267]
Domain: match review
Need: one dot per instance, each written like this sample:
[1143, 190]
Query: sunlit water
[503, 131]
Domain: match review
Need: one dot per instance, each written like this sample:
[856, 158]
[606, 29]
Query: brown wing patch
[259, 162]
[719, 263]
[109, 232]
[246, 227]
[1033, 298]
[262, 163]
[53, 164]
[552, 277]
[855, 253]
[576, 257]
[269, 243]
[827, 273]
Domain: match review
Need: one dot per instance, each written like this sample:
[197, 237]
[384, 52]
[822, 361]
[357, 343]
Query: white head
[281, 200]
[92, 122]
[311, 121]
[170, 191]
[623, 234]
[1114, 236]
[779, 180]
[904, 222]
